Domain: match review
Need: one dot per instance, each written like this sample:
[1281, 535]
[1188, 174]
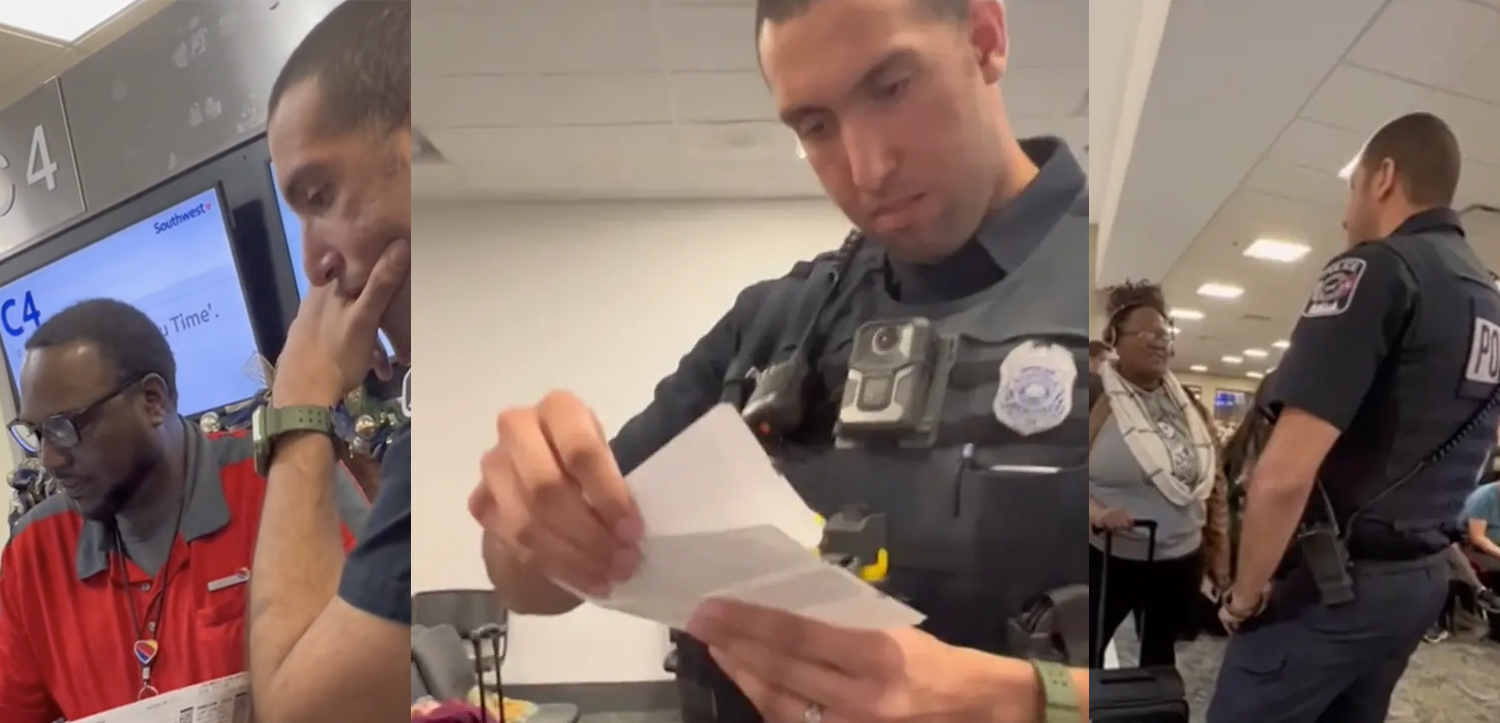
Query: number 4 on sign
[39, 164]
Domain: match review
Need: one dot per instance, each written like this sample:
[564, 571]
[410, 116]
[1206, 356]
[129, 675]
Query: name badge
[223, 583]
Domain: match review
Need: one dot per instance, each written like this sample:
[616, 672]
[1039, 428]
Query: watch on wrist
[1057, 688]
[269, 424]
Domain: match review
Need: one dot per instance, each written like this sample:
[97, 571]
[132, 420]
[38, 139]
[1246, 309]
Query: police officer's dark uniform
[1399, 348]
[985, 505]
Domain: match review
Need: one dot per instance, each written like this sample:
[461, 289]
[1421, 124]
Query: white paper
[226, 700]
[720, 522]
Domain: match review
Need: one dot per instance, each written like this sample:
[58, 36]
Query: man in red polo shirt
[132, 581]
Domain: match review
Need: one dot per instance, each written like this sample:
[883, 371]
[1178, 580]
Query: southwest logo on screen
[182, 217]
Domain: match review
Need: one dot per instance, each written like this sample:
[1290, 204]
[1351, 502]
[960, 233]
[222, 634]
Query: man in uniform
[329, 640]
[1384, 406]
[131, 581]
[971, 255]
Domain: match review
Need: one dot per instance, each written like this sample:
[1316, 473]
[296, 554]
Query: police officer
[1385, 403]
[965, 281]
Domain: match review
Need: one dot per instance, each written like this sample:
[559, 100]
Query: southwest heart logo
[145, 651]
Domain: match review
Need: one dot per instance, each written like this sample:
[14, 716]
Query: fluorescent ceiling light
[1232, 360]
[1198, 368]
[1256, 353]
[1255, 375]
[1221, 291]
[1281, 344]
[1284, 252]
[62, 21]
[1186, 314]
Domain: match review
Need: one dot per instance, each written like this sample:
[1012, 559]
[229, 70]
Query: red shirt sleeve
[23, 690]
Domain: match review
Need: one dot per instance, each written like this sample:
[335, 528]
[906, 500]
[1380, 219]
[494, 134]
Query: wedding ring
[813, 714]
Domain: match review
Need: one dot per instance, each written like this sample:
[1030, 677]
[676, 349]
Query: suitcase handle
[1150, 526]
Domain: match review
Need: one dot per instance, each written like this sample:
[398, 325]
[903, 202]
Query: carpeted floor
[1456, 681]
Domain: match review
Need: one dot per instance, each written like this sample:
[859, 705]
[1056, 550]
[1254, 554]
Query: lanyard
[147, 627]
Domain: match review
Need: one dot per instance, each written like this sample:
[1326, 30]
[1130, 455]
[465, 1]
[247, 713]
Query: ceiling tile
[566, 37]
[125, 22]
[1474, 122]
[1480, 184]
[517, 100]
[1479, 77]
[1427, 41]
[18, 55]
[1362, 100]
[1289, 180]
[707, 37]
[721, 96]
[1317, 146]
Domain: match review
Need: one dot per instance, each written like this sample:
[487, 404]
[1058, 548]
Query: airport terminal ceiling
[1192, 183]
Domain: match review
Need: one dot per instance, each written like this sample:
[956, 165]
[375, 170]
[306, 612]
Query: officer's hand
[554, 498]
[1235, 611]
[1112, 521]
[787, 664]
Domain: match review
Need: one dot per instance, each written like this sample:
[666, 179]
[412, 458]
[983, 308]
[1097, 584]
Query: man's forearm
[299, 554]
[1273, 509]
[520, 588]
[1485, 545]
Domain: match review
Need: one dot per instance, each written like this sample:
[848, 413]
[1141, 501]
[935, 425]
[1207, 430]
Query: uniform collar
[1437, 219]
[1009, 234]
[207, 510]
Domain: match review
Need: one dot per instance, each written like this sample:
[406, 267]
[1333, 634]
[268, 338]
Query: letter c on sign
[7, 189]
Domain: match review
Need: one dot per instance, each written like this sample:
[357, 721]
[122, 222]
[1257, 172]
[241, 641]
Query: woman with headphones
[1153, 456]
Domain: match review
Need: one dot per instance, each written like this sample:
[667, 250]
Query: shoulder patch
[1484, 353]
[1335, 290]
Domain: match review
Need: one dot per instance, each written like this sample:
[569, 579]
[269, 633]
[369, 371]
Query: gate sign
[39, 189]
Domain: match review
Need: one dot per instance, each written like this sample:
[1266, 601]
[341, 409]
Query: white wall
[511, 302]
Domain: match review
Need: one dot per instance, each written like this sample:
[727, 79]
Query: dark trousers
[1160, 595]
[1304, 662]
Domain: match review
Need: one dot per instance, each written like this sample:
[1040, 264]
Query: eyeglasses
[1151, 334]
[65, 431]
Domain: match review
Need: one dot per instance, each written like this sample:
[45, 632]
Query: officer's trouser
[1307, 663]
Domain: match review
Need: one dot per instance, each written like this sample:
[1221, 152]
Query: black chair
[485, 626]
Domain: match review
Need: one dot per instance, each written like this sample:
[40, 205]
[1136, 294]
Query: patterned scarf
[1143, 436]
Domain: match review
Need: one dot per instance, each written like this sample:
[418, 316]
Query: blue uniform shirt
[377, 577]
[1484, 504]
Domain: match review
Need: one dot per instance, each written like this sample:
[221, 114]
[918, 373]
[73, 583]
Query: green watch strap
[1057, 687]
[302, 418]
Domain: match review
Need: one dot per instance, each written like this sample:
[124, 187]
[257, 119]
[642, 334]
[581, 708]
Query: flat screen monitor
[291, 226]
[178, 267]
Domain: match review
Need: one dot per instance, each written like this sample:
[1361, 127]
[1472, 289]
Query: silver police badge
[1036, 388]
[406, 394]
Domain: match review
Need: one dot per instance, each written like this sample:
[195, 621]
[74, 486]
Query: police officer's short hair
[127, 339]
[776, 12]
[1426, 155]
[360, 56]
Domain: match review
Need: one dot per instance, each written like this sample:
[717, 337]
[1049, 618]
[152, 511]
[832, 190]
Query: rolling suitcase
[1133, 695]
